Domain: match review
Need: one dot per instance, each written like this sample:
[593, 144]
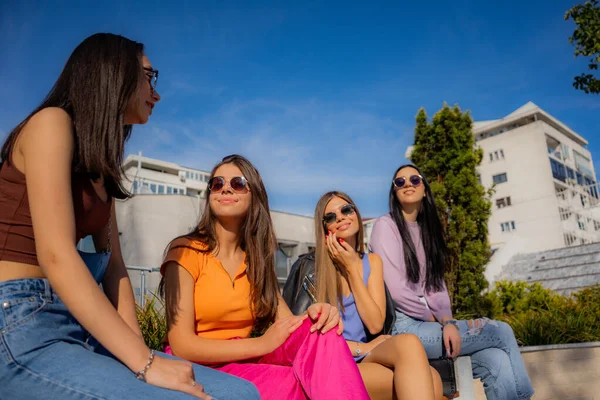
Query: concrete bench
[464, 378]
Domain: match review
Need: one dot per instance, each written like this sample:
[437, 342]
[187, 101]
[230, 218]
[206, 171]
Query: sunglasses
[346, 210]
[237, 183]
[152, 75]
[415, 181]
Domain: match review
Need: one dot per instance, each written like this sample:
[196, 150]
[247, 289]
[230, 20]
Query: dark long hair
[94, 88]
[328, 275]
[432, 235]
[258, 240]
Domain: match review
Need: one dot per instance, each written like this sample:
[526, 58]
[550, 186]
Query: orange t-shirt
[221, 305]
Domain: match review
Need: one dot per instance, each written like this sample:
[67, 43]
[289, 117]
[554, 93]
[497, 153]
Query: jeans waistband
[36, 285]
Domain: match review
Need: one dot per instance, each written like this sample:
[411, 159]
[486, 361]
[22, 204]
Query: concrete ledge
[564, 371]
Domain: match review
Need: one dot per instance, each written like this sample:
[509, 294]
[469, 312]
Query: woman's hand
[279, 331]
[452, 340]
[342, 253]
[326, 317]
[175, 375]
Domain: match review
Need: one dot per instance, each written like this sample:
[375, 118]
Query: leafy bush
[540, 316]
[153, 322]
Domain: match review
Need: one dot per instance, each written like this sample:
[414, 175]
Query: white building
[546, 195]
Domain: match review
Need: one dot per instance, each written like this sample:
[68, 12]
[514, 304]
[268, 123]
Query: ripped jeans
[493, 349]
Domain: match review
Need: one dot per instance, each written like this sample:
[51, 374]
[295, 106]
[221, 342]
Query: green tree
[445, 151]
[586, 39]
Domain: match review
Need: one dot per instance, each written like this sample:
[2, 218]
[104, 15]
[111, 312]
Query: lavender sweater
[387, 243]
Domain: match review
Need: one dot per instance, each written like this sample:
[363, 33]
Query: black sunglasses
[237, 183]
[400, 182]
[331, 217]
[152, 75]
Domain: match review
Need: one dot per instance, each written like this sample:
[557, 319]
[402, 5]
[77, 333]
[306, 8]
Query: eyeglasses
[237, 183]
[152, 75]
[346, 210]
[415, 181]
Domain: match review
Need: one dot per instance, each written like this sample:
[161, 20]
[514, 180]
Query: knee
[407, 342]
[495, 360]
[503, 331]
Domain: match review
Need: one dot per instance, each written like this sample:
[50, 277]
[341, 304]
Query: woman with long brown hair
[59, 176]
[220, 286]
[391, 367]
[410, 240]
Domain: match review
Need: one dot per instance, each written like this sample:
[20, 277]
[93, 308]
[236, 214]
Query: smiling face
[144, 98]
[345, 226]
[227, 202]
[409, 194]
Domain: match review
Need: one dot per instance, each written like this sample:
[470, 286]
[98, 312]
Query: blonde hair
[328, 275]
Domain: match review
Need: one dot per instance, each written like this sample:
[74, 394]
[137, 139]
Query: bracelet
[450, 322]
[142, 374]
[357, 350]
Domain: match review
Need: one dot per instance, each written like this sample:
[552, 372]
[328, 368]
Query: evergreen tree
[446, 152]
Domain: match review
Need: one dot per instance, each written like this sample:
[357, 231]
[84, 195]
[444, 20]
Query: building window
[283, 260]
[558, 170]
[594, 190]
[565, 214]
[479, 178]
[503, 202]
[500, 178]
[585, 201]
[161, 189]
[596, 225]
[135, 187]
[570, 239]
[497, 155]
[581, 222]
[153, 187]
[508, 226]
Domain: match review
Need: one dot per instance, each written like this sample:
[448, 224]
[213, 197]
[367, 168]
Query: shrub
[540, 316]
[153, 322]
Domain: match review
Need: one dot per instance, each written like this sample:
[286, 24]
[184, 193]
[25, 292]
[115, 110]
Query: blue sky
[318, 97]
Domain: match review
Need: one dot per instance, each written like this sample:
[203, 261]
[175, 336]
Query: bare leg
[406, 356]
[438, 388]
[378, 379]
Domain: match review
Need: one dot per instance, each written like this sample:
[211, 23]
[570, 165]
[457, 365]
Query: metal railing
[143, 271]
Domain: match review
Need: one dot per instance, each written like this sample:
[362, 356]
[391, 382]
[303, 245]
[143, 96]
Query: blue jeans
[46, 354]
[493, 349]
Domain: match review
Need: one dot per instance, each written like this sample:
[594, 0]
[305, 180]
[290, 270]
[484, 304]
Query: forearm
[75, 286]
[215, 351]
[370, 313]
[119, 291]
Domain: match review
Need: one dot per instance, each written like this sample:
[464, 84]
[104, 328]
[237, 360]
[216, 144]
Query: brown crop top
[16, 230]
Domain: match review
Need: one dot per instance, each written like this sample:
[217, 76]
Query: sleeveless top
[17, 242]
[354, 328]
